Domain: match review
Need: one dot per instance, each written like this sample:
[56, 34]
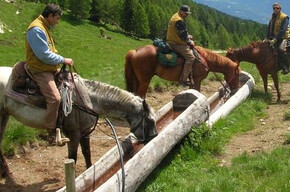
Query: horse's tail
[130, 76]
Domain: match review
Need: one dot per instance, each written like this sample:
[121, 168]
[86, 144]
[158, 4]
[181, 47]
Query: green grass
[193, 164]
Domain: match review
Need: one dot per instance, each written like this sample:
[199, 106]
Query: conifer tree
[140, 22]
[80, 9]
[154, 21]
[223, 38]
[94, 12]
[127, 17]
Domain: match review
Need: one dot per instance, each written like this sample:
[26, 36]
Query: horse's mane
[256, 43]
[112, 95]
[216, 59]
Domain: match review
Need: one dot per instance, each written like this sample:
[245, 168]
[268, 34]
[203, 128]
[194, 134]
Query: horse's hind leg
[276, 84]
[265, 81]
[4, 169]
[86, 150]
[143, 87]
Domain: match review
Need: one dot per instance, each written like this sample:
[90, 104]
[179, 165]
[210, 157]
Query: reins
[90, 111]
[84, 106]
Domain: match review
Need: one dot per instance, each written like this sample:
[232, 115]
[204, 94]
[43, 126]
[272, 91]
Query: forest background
[149, 18]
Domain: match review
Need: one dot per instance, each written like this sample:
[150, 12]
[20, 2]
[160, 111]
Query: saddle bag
[165, 56]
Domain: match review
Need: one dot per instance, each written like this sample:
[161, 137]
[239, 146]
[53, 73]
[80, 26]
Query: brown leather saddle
[24, 89]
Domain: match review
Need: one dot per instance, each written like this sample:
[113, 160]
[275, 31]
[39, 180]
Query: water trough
[174, 121]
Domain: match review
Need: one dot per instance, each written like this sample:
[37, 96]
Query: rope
[66, 97]
[120, 153]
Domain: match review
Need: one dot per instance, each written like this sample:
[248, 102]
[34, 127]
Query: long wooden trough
[174, 121]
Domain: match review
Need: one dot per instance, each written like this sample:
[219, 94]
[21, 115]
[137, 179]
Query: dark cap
[185, 8]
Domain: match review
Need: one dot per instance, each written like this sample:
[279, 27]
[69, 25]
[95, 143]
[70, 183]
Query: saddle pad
[167, 60]
[38, 101]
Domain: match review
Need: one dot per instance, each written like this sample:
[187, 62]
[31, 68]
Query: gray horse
[102, 98]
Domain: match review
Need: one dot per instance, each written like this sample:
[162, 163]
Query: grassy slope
[95, 58]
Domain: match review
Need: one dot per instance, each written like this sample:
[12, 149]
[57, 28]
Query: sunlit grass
[193, 165]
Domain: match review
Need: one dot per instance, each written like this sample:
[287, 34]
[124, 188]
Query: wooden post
[70, 175]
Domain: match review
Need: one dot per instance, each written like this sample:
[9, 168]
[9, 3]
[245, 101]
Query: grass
[193, 164]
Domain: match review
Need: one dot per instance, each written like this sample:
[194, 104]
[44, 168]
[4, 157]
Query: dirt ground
[41, 168]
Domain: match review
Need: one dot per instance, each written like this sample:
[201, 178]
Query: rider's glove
[272, 42]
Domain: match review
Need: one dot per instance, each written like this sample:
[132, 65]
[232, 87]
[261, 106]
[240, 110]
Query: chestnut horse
[264, 57]
[142, 64]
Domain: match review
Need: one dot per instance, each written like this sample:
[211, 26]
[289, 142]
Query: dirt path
[268, 133]
[41, 168]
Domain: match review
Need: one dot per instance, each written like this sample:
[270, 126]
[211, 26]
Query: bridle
[90, 111]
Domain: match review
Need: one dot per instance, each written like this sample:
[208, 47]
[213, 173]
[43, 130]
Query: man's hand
[191, 44]
[68, 61]
[272, 42]
[264, 40]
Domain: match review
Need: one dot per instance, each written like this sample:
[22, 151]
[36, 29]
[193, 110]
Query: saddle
[169, 58]
[25, 90]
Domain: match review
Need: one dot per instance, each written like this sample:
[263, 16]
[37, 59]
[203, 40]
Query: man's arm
[268, 30]
[182, 31]
[38, 43]
[283, 29]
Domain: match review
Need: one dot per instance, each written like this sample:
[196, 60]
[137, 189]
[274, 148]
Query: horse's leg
[276, 84]
[136, 86]
[86, 150]
[197, 84]
[265, 81]
[73, 148]
[143, 87]
[4, 169]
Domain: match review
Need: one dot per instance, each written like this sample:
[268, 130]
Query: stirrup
[60, 141]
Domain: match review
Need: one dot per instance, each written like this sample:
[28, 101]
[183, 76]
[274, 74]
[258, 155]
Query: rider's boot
[185, 73]
[60, 139]
[55, 137]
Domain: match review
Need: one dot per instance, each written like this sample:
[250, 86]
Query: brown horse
[264, 57]
[142, 64]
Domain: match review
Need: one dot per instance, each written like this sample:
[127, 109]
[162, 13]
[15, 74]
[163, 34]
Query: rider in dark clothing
[277, 33]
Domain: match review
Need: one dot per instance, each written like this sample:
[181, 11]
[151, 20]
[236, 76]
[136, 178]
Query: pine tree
[140, 22]
[128, 11]
[154, 21]
[223, 39]
[94, 12]
[80, 9]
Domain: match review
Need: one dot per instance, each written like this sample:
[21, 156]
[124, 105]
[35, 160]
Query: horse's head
[232, 78]
[231, 54]
[143, 126]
